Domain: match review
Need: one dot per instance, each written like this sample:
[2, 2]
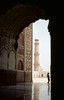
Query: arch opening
[16, 22]
[41, 51]
[20, 65]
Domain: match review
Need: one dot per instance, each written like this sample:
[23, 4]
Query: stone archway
[14, 21]
[18, 17]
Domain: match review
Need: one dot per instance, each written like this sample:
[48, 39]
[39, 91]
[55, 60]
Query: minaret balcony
[37, 54]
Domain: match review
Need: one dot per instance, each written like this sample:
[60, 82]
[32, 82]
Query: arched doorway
[20, 65]
[18, 18]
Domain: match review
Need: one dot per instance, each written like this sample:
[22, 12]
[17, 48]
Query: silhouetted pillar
[57, 48]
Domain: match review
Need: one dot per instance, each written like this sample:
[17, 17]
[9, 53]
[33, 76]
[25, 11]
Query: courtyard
[26, 91]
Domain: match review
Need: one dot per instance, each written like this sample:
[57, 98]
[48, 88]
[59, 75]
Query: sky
[40, 32]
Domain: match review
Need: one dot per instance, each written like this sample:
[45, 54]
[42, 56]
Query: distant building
[40, 74]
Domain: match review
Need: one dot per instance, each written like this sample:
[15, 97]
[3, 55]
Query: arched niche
[3, 59]
[12, 60]
[20, 65]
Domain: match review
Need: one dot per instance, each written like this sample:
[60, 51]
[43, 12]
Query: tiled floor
[26, 91]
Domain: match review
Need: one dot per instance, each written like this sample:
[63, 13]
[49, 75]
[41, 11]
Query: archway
[14, 21]
[41, 51]
[20, 65]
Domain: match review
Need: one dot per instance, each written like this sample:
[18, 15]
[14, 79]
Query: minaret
[36, 55]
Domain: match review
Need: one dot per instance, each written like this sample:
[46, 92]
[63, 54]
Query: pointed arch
[20, 65]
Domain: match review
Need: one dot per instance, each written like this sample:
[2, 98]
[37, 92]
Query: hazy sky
[40, 32]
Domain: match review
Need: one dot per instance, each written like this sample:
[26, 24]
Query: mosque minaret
[36, 55]
[38, 71]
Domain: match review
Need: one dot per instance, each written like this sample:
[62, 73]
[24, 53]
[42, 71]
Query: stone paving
[26, 91]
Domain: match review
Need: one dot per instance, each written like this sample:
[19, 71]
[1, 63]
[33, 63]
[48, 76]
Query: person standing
[48, 77]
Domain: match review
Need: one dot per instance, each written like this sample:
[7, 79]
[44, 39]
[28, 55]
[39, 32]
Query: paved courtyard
[26, 91]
